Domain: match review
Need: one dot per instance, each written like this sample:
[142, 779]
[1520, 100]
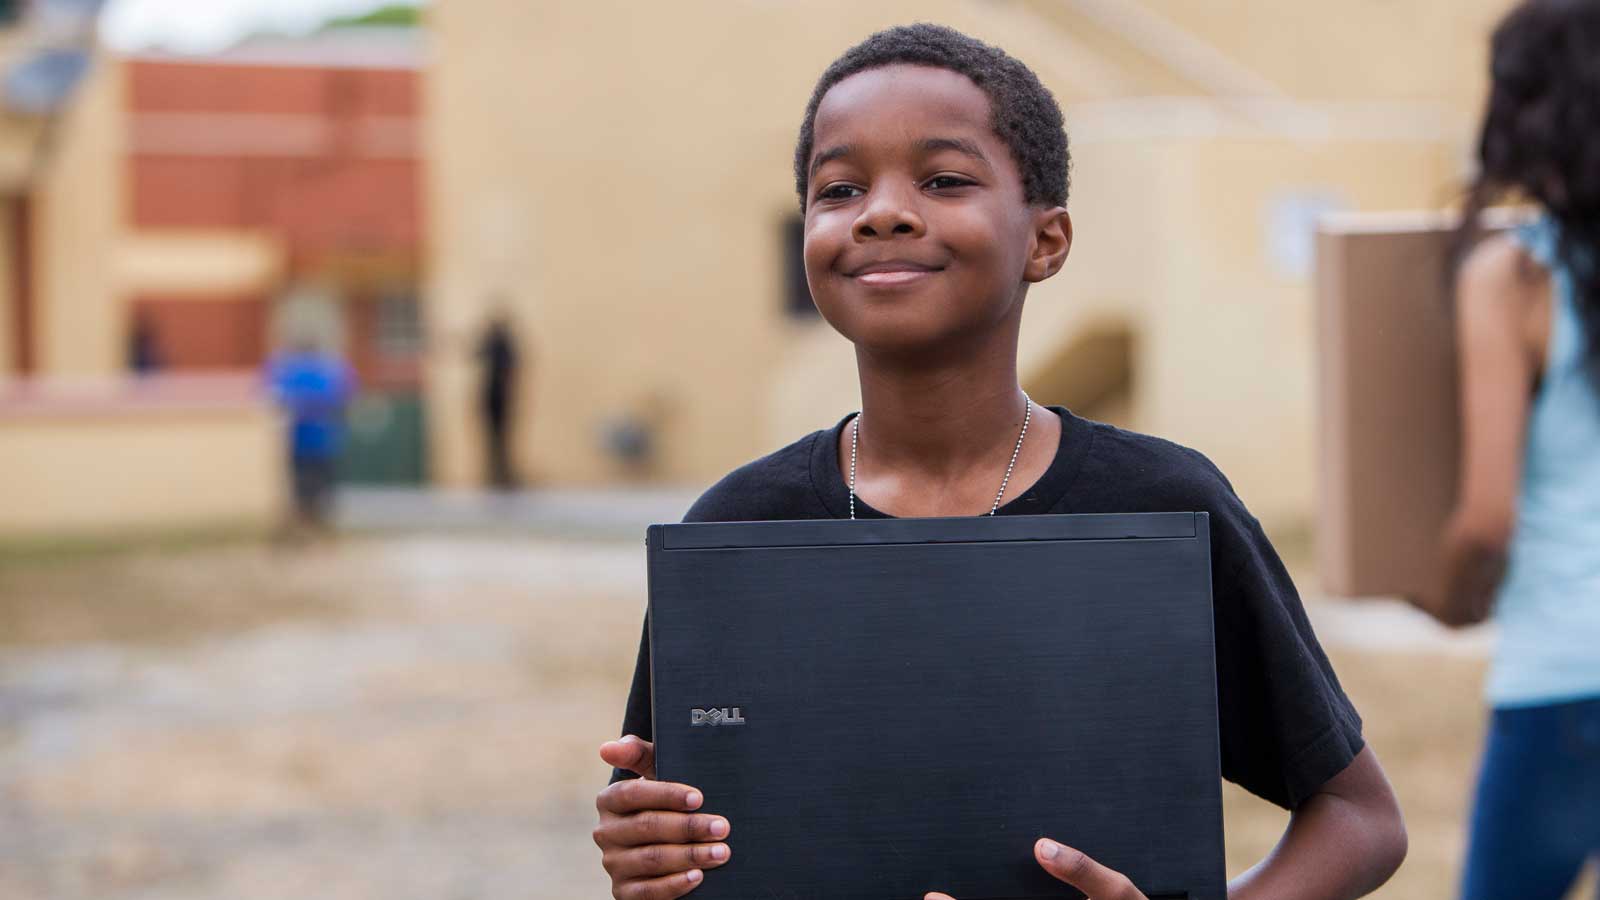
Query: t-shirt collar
[1040, 497]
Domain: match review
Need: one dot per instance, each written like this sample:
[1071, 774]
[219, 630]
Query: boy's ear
[1052, 239]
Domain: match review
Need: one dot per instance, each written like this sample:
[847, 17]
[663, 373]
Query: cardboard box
[1389, 411]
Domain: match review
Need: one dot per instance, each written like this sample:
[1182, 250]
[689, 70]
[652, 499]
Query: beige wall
[84, 450]
[1352, 50]
[618, 171]
[66, 473]
[196, 261]
[8, 298]
[1225, 362]
[78, 211]
[603, 167]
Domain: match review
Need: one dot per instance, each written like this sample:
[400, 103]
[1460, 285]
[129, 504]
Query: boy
[932, 170]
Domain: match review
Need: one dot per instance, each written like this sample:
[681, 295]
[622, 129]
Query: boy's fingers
[665, 888]
[652, 860]
[637, 794]
[1075, 868]
[938, 896]
[662, 827]
[632, 753]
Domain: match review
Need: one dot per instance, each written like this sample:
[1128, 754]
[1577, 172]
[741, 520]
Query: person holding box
[1523, 542]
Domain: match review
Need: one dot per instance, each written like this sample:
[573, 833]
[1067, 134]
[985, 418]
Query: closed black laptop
[887, 707]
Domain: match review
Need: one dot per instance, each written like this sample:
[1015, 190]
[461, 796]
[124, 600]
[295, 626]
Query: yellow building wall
[1354, 50]
[8, 298]
[65, 473]
[617, 173]
[623, 193]
[79, 200]
[1226, 361]
[197, 261]
[84, 448]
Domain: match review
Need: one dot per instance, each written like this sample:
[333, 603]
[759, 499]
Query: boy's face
[917, 231]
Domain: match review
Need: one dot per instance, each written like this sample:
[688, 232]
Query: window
[796, 293]
[399, 326]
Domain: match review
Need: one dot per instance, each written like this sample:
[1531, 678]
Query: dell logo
[722, 716]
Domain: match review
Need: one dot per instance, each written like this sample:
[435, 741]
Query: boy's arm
[1288, 732]
[1343, 841]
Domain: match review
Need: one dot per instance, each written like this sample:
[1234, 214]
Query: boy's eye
[946, 181]
[838, 192]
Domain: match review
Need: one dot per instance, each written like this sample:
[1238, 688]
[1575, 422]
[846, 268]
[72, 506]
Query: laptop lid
[887, 707]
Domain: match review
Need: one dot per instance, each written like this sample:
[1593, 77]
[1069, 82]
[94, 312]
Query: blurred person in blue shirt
[1523, 543]
[314, 387]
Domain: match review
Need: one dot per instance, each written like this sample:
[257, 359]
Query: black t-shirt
[1286, 726]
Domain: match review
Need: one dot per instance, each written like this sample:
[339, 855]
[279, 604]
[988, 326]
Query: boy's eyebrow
[926, 145]
[960, 145]
[829, 155]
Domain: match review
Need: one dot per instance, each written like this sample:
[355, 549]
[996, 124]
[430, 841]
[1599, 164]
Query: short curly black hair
[1541, 140]
[1024, 113]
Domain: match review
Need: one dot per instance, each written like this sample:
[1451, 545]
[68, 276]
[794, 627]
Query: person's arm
[1342, 842]
[1500, 307]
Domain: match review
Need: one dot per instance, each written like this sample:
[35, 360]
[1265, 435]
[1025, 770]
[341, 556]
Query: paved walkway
[413, 714]
[623, 513]
[619, 514]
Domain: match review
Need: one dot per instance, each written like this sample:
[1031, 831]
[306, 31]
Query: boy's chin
[914, 327]
[909, 343]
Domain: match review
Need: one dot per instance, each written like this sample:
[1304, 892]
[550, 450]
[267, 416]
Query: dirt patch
[417, 717]
[160, 595]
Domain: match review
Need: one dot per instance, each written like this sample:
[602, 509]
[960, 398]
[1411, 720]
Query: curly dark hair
[1023, 112]
[1541, 138]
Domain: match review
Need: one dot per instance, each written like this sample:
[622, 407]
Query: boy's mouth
[892, 273]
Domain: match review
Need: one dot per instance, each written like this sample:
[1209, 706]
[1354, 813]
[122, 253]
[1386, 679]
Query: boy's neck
[939, 421]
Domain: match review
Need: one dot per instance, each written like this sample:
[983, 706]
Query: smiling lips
[892, 274]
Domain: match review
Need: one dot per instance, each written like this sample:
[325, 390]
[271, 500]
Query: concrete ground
[413, 711]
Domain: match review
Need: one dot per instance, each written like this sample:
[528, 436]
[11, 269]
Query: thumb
[632, 753]
[1075, 868]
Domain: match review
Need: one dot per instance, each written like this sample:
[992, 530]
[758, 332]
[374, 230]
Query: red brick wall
[324, 158]
[358, 185]
[159, 86]
[206, 333]
[317, 207]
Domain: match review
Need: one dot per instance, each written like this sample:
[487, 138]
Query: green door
[384, 439]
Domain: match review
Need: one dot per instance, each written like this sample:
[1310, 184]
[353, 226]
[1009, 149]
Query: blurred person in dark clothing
[313, 386]
[1523, 542]
[144, 351]
[498, 355]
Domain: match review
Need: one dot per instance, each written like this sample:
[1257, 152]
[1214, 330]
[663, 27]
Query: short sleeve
[636, 716]
[1541, 239]
[1286, 726]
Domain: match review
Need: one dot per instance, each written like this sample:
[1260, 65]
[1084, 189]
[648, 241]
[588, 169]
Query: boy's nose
[888, 213]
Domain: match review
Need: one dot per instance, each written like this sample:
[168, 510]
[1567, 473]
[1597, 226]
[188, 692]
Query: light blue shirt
[1548, 609]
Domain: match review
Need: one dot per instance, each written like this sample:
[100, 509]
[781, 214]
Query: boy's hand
[1096, 881]
[651, 843]
[631, 753]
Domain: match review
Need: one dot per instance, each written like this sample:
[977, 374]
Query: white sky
[201, 26]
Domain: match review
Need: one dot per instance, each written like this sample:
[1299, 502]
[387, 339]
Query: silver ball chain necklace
[855, 428]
